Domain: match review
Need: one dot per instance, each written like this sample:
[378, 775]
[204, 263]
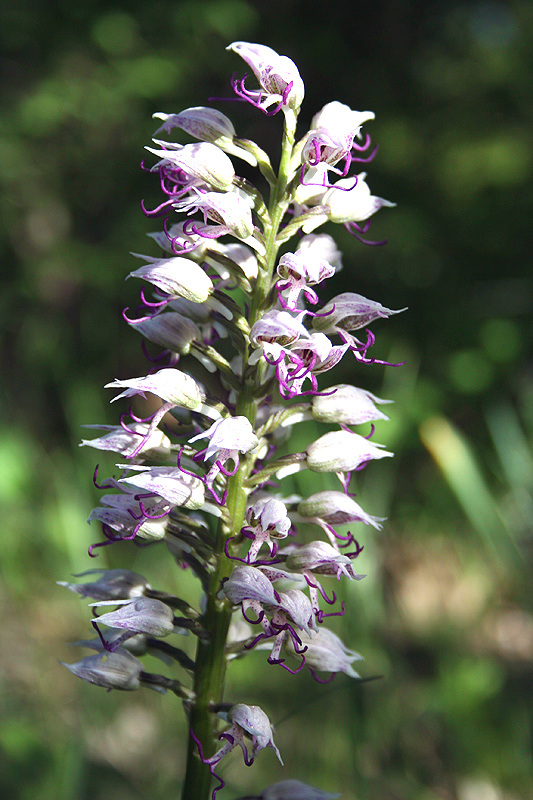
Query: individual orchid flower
[272, 334]
[250, 721]
[231, 212]
[348, 312]
[295, 609]
[227, 438]
[279, 327]
[114, 584]
[118, 439]
[119, 670]
[342, 451]
[174, 387]
[297, 274]
[203, 161]
[169, 330]
[203, 123]
[347, 405]
[172, 484]
[349, 200]
[305, 359]
[319, 247]
[278, 76]
[326, 653]
[332, 135]
[321, 558]
[329, 508]
[140, 615]
[248, 583]
[124, 517]
[209, 125]
[267, 523]
[170, 385]
[175, 277]
[250, 587]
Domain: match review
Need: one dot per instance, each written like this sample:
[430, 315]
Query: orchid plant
[203, 473]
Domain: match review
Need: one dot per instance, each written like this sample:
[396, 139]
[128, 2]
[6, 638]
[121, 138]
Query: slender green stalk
[210, 655]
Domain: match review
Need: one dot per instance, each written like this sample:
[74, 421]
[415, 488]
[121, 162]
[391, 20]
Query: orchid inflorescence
[203, 472]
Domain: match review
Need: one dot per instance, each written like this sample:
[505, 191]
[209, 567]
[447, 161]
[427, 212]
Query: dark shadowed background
[445, 615]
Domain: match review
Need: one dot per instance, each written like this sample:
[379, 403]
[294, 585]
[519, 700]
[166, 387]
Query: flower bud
[342, 451]
[118, 670]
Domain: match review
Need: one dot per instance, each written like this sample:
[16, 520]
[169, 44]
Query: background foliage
[445, 615]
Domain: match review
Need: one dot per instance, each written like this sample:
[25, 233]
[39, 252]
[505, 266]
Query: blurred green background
[445, 615]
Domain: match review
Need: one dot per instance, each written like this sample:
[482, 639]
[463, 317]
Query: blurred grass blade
[511, 445]
[458, 464]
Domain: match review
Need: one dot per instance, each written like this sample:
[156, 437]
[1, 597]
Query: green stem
[210, 663]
